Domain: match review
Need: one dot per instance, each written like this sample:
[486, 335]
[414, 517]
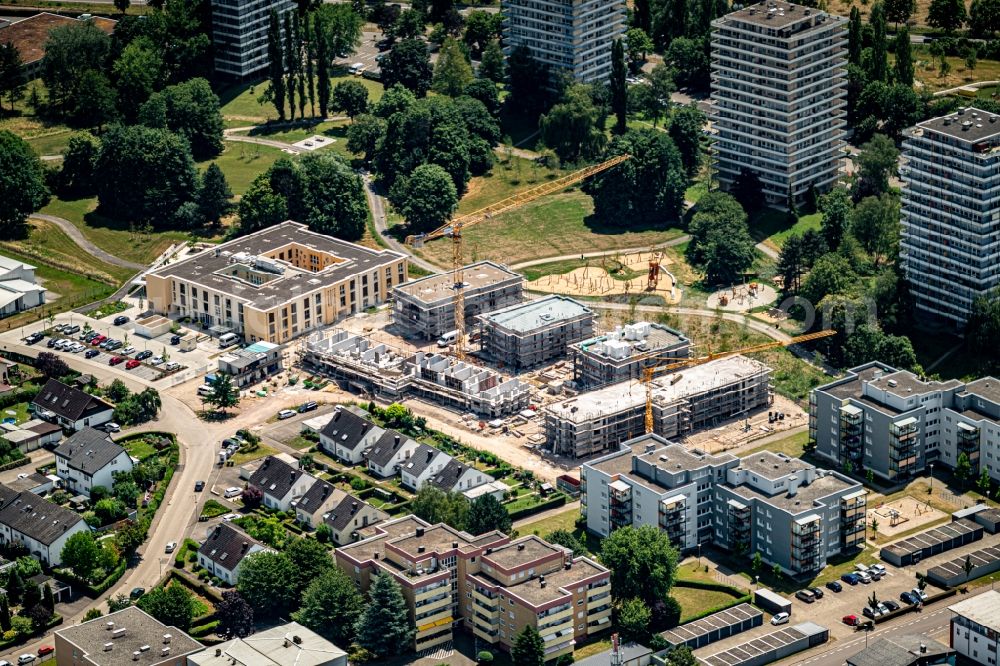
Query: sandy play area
[903, 515]
[742, 297]
[595, 278]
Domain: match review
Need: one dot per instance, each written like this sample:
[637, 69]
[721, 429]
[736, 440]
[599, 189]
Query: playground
[742, 297]
[903, 515]
[640, 274]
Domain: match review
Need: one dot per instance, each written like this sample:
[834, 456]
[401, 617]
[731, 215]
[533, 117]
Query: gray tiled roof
[35, 517]
[319, 494]
[89, 450]
[275, 477]
[347, 429]
[227, 545]
[421, 459]
[341, 515]
[449, 476]
[386, 447]
[68, 402]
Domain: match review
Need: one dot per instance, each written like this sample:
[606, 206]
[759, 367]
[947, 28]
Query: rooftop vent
[111, 625]
[297, 640]
[135, 656]
[118, 633]
[892, 383]
[420, 549]
[144, 648]
[520, 546]
[420, 531]
[164, 652]
[166, 638]
[108, 647]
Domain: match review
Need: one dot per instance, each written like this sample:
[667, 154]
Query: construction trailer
[620, 355]
[425, 308]
[536, 332]
[376, 368]
[694, 398]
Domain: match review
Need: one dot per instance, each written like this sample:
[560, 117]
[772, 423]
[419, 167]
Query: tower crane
[650, 372]
[455, 227]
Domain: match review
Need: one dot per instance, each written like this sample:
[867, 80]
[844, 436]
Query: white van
[357, 68]
[448, 338]
[228, 339]
[233, 491]
[205, 389]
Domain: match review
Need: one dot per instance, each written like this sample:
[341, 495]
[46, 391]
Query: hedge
[203, 629]
[67, 576]
[14, 464]
[558, 500]
[705, 585]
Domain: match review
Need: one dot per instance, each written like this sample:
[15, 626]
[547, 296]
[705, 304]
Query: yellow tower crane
[650, 372]
[455, 227]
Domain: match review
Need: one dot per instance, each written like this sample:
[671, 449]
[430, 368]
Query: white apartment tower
[570, 35]
[950, 249]
[239, 34]
[779, 97]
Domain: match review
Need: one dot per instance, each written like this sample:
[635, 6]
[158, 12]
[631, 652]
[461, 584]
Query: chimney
[287, 643]
[420, 549]
[454, 544]
[166, 638]
[218, 652]
[245, 546]
[375, 555]
[397, 440]
[420, 531]
[520, 546]
[793, 485]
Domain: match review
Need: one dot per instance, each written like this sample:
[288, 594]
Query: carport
[951, 573]
[932, 542]
[769, 648]
[715, 627]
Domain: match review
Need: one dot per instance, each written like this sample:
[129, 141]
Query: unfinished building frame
[425, 308]
[530, 334]
[698, 397]
[620, 355]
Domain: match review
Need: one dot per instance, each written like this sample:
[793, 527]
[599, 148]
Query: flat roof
[901, 650]
[521, 552]
[657, 337]
[971, 125]
[29, 35]
[770, 465]
[441, 286]
[985, 387]
[805, 496]
[956, 566]
[537, 314]
[140, 634]
[779, 14]
[208, 268]
[755, 649]
[706, 625]
[982, 609]
[933, 538]
[533, 592]
[289, 644]
[667, 389]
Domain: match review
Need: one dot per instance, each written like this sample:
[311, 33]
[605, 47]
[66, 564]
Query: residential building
[621, 354]
[975, 628]
[284, 645]
[342, 512]
[387, 455]
[40, 526]
[29, 36]
[697, 397]
[90, 458]
[895, 423]
[223, 551]
[572, 37]
[275, 284]
[252, 364]
[424, 463]
[779, 97]
[425, 308]
[950, 245]
[488, 584]
[239, 34]
[128, 636]
[348, 435]
[793, 514]
[69, 407]
[281, 483]
[536, 332]
[457, 477]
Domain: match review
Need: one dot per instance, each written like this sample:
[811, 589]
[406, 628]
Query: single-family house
[224, 549]
[39, 525]
[386, 456]
[351, 515]
[347, 435]
[425, 462]
[457, 477]
[320, 498]
[70, 407]
[281, 483]
[90, 458]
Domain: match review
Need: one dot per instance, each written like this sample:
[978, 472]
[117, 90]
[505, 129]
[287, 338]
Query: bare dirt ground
[733, 435]
[594, 280]
[903, 515]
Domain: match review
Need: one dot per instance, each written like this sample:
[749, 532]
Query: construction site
[620, 354]
[643, 273]
[535, 332]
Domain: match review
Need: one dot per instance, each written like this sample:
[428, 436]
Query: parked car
[128, 350]
[98, 339]
[143, 355]
[103, 344]
[119, 320]
[307, 407]
[156, 360]
[919, 594]
[199, 486]
[175, 339]
[115, 360]
[34, 338]
[137, 592]
[91, 353]
[286, 414]
[891, 605]
[909, 598]
[860, 567]
[230, 517]
[233, 491]
[51, 343]
[835, 586]
[879, 568]
[25, 659]
[851, 578]
[62, 344]
[780, 618]
[73, 329]
[88, 336]
[171, 546]
[806, 596]
[114, 345]
[882, 608]
[112, 427]
[131, 364]
[870, 613]
[171, 366]
[817, 592]
[45, 649]
[863, 577]
[850, 620]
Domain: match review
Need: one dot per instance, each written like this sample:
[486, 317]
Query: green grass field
[242, 162]
[695, 602]
[240, 102]
[792, 446]
[774, 226]
[48, 244]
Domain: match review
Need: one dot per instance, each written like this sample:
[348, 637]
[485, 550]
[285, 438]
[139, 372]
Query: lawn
[212, 508]
[774, 226]
[242, 162]
[564, 520]
[50, 143]
[927, 70]
[300, 443]
[695, 601]
[239, 102]
[244, 456]
[19, 412]
[139, 448]
[792, 446]
[48, 244]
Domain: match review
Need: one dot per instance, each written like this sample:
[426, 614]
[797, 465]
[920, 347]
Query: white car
[25, 659]
[286, 414]
[128, 350]
[63, 344]
[877, 568]
[112, 427]
[233, 491]
[861, 567]
[865, 578]
[173, 365]
[171, 546]
[780, 618]
[230, 517]
[919, 593]
[156, 360]
[77, 347]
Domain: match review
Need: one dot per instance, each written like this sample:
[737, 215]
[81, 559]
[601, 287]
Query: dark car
[137, 592]
[806, 596]
[384, 44]
[909, 598]
[33, 338]
[307, 406]
[868, 612]
[199, 486]
[91, 353]
[175, 339]
[891, 605]
[119, 320]
[143, 355]
[51, 343]
[835, 586]
[817, 592]
[850, 579]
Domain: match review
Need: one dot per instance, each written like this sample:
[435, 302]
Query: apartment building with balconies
[950, 246]
[779, 97]
[572, 36]
[895, 423]
[793, 514]
[489, 585]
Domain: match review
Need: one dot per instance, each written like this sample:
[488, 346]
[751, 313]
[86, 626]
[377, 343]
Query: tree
[487, 514]
[4, 613]
[426, 198]
[899, 11]
[22, 184]
[408, 64]
[191, 110]
[409, 25]
[904, 59]
[129, 536]
[292, 60]
[619, 89]
[50, 365]
[161, 174]
[351, 97]
[263, 582]
[437, 506]
[12, 76]
[384, 627]
[639, 44]
[310, 560]
[983, 483]
[982, 329]
[571, 127]
[686, 125]
[323, 58]
[854, 44]
[92, 614]
[481, 28]
[331, 606]
[275, 65]
[172, 605]
[214, 195]
[235, 615]
[342, 25]
[363, 135]
[946, 15]
[252, 496]
[756, 562]
[689, 62]
[71, 51]
[119, 602]
[967, 567]
[642, 561]
[832, 274]
[492, 66]
[77, 177]
[138, 72]
[224, 395]
[984, 18]
[963, 468]
[80, 554]
[878, 56]
[122, 5]
[334, 197]
[875, 225]
[525, 74]
[452, 71]
[835, 207]
[868, 343]
[566, 539]
[633, 619]
[720, 239]
[790, 264]
[259, 208]
[748, 189]
[529, 648]
[96, 107]
[876, 162]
